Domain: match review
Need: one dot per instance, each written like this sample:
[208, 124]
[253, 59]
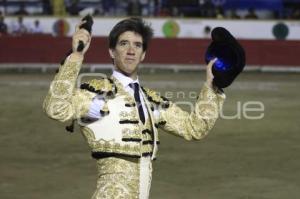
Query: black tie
[136, 88]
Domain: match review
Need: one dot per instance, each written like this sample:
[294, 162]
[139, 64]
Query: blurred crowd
[19, 28]
[119, 8]
[175, 8]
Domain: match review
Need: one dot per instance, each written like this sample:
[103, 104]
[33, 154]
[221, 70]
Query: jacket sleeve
[64, 101]
[194, 125]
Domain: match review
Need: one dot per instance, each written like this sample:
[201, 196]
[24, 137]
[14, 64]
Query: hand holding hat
[230, 57]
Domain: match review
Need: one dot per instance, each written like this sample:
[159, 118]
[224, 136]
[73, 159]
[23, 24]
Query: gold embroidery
[111, 146]
[124, 115]
[198, 123]
[118, 178]
[104, 85]
[147, 148]
[131, 133]
[63, 101]
[100, 85]
[155, 97]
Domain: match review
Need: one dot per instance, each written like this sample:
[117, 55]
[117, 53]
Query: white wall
[188, 28]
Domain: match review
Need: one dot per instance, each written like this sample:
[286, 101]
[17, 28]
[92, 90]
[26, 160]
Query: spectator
[22, 10]
[73, 9]
[276, 14]
[145, 7]
[207, 31]
[251, 14]
[47, 9]
[219, 13]
[121, 8]
[175, 11]
[2, 9]
[36, 28]
[3, 26]
[153, 7]
[109, 7]
[19, 28]
[134, 8]
[207, 8]
[295, 14]
[164, 12]
[233, 14]
[99, 11]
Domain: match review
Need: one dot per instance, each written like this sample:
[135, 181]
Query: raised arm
[64, 101]
[199, 122]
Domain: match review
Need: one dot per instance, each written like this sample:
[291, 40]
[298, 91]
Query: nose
[131, 50]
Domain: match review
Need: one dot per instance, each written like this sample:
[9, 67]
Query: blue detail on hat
[220, 64]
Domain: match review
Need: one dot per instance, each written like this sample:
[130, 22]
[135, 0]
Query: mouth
[129, 59]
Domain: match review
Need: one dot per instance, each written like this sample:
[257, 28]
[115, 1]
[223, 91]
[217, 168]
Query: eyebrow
[125, 40]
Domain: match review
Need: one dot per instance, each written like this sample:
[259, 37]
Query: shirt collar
[123, 79]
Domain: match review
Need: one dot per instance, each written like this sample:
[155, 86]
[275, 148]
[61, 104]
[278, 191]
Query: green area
[239, 159]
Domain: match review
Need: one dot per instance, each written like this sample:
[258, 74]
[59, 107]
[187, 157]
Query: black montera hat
[230, 54]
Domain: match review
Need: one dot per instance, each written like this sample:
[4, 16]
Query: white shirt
[98, 102]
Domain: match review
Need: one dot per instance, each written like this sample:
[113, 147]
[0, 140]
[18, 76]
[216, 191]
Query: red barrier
[48, 49]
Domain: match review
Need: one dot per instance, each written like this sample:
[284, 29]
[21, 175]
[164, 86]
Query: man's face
[128, 53]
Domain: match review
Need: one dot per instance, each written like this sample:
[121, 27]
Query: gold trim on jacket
[65, 102]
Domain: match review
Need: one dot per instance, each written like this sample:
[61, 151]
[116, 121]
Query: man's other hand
[209, 74]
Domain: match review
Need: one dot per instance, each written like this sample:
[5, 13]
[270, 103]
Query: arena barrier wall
[49, 49]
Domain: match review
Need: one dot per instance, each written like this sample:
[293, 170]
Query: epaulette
[156, 98]
[105, 86]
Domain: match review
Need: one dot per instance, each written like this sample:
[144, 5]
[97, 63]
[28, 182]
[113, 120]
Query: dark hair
[133, 24]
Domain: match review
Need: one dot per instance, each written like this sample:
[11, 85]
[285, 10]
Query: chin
[126, 73]
[128, 70]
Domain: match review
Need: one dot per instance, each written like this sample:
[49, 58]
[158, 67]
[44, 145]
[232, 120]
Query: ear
[143, 56]
[111, 53]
